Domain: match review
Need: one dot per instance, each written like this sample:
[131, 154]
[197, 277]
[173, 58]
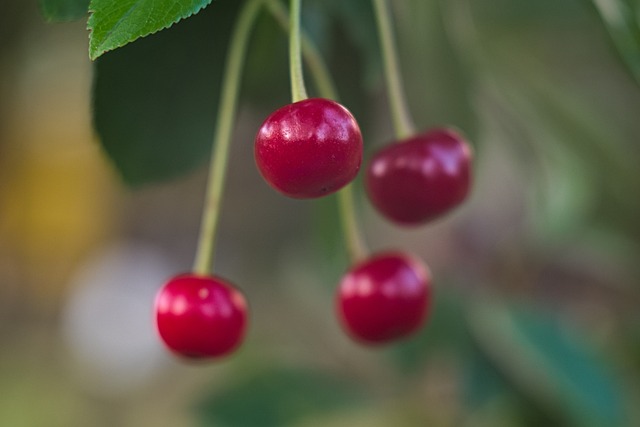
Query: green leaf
[114, 24]
[548, 362]
[154, 102]
[623, 24]
[64, 10]
[278, 397]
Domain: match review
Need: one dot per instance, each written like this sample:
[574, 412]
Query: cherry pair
[410, 182]
[381, 299]
[313, 148]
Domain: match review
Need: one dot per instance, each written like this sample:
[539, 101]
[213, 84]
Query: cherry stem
[402, 122]
[356, 247]
[203, 263]
[298, 91]
[312, 57]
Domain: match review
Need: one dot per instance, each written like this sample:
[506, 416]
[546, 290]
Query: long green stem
[226, 115]
[353, 239]
[298, 91]
[402, 122]
[312, 57]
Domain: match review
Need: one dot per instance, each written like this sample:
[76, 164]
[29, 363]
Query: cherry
[200, 317]
[384, 298]
[309, 149]
[420, 178]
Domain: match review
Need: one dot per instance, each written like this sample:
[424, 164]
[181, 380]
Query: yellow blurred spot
[58, 196]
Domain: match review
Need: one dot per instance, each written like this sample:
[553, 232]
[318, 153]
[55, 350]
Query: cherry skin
[200, 317]
[309, 149]
[384, 298]
[420, 178]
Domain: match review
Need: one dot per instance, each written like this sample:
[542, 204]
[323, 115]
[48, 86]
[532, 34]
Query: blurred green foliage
[546, 362]
[275, 397]
[620, 17]
[64, 10]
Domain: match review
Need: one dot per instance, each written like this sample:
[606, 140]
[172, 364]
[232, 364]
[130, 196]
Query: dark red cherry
[420, 178]
[309, 149]
[384, 298]
[200, 317]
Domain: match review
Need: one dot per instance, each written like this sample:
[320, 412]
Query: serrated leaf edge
[96, 51]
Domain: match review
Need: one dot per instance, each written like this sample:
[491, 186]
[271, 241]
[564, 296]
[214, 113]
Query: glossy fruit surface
[200, 317]
[421, 178]
[309, 149]
[384, 298]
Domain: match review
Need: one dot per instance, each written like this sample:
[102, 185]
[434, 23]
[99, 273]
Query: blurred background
[536, 276]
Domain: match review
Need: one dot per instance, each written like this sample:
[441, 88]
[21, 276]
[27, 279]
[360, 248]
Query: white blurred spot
[108, 319]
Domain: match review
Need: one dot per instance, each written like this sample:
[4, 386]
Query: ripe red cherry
[420, 178]
[309, 149]
[200, 317]
[384, 298]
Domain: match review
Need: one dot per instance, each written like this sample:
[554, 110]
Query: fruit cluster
[312, 148]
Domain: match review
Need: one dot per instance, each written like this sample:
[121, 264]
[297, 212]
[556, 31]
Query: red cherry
[420, 178]
[384, 298]
[309, 149]
[200, 317]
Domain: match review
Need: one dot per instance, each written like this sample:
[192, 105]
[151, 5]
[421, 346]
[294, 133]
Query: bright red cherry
[309, 149]
[200, 317]
[384, 298]
[421, 178]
